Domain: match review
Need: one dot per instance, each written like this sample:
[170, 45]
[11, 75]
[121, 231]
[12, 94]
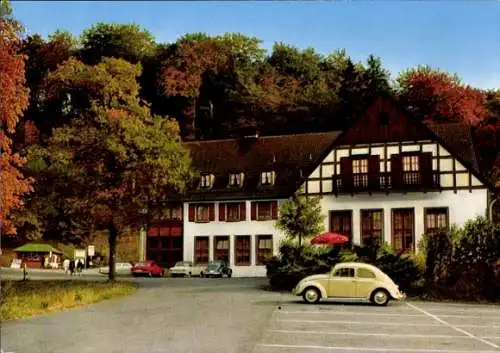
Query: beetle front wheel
[311, 295]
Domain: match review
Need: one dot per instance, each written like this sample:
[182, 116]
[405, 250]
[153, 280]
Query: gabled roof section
[458, 137]
[291, 157]
[383, 121]
[401, 126]
[455, 137]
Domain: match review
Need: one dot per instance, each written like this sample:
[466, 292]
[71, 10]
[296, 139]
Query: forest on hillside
[66, 98]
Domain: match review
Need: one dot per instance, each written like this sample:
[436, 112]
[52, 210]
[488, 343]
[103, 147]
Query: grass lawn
[21, 299]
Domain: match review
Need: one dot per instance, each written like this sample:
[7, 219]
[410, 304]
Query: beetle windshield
[214, 265]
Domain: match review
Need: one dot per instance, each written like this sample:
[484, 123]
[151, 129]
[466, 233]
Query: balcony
[408, 181]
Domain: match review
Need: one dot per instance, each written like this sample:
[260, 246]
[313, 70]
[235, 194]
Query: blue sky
[462, 37]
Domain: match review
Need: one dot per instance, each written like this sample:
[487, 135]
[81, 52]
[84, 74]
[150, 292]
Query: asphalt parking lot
[399, 327]
[199, 315]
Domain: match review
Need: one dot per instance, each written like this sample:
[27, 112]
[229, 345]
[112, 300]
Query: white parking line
[332, 312]
[379, 323]
[491, 344]
[438, 309]
[372, 323]
[367, 349]
[389, 335]
[346, 313]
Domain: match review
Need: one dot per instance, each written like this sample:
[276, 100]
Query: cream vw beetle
[350, 281]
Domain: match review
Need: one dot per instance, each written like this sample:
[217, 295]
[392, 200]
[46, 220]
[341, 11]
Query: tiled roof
[458, 138]
[291, 157]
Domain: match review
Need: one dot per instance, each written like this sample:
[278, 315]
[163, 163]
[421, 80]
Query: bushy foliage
[463, 263]
[438, 251]
[404, 269]
[478, 243]
[298, 261]
[476, 254]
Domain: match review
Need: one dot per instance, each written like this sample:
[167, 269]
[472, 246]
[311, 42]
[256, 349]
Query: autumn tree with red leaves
[184, 70]
[437, 96]
[13, 101]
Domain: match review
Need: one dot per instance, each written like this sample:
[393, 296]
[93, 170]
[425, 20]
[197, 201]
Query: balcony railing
[410, 181]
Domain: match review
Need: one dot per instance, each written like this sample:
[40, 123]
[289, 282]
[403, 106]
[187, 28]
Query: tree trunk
[300, 240]
[113, 234]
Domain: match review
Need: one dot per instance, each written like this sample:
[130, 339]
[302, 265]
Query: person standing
[79, 267]
[66, 266]
[71, 267]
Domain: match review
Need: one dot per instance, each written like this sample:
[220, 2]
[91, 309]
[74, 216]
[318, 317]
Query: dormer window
[267, 178]
[206, 181]
[236, 179]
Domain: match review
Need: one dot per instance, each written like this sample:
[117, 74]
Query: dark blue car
[217, 268]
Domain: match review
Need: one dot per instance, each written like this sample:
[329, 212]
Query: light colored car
[186, 269]
[350, 281]
[121, 268]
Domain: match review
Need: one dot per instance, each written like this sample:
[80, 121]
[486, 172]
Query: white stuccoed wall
[462, 205]
[216, 228]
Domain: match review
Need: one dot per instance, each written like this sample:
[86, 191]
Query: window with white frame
[221, 248]
[263, 249]
[202, 213]
[267, 178]
[206, 181]
[235, 179]
[233, 212]
[264, 211]
[360, 172]
[411, 169]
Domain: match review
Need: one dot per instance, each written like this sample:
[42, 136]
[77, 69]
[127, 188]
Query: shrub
[402, 268]
[438, 258]
[348, 256]
[460, 264]
[476, 254]
[298, 261]
[478, 243]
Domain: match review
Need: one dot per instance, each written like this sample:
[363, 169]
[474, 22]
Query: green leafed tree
[116, 162]
[124, 41]
[300, 217]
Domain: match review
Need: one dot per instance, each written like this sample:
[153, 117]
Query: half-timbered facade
[387, 177]
[394, 179]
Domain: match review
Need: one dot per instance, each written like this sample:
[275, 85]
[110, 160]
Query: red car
[148, 268]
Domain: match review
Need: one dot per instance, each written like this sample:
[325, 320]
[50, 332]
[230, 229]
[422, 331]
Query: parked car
[186, 269]
[148, 268]
[121, 268]
[217, 268]
[350, 281]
